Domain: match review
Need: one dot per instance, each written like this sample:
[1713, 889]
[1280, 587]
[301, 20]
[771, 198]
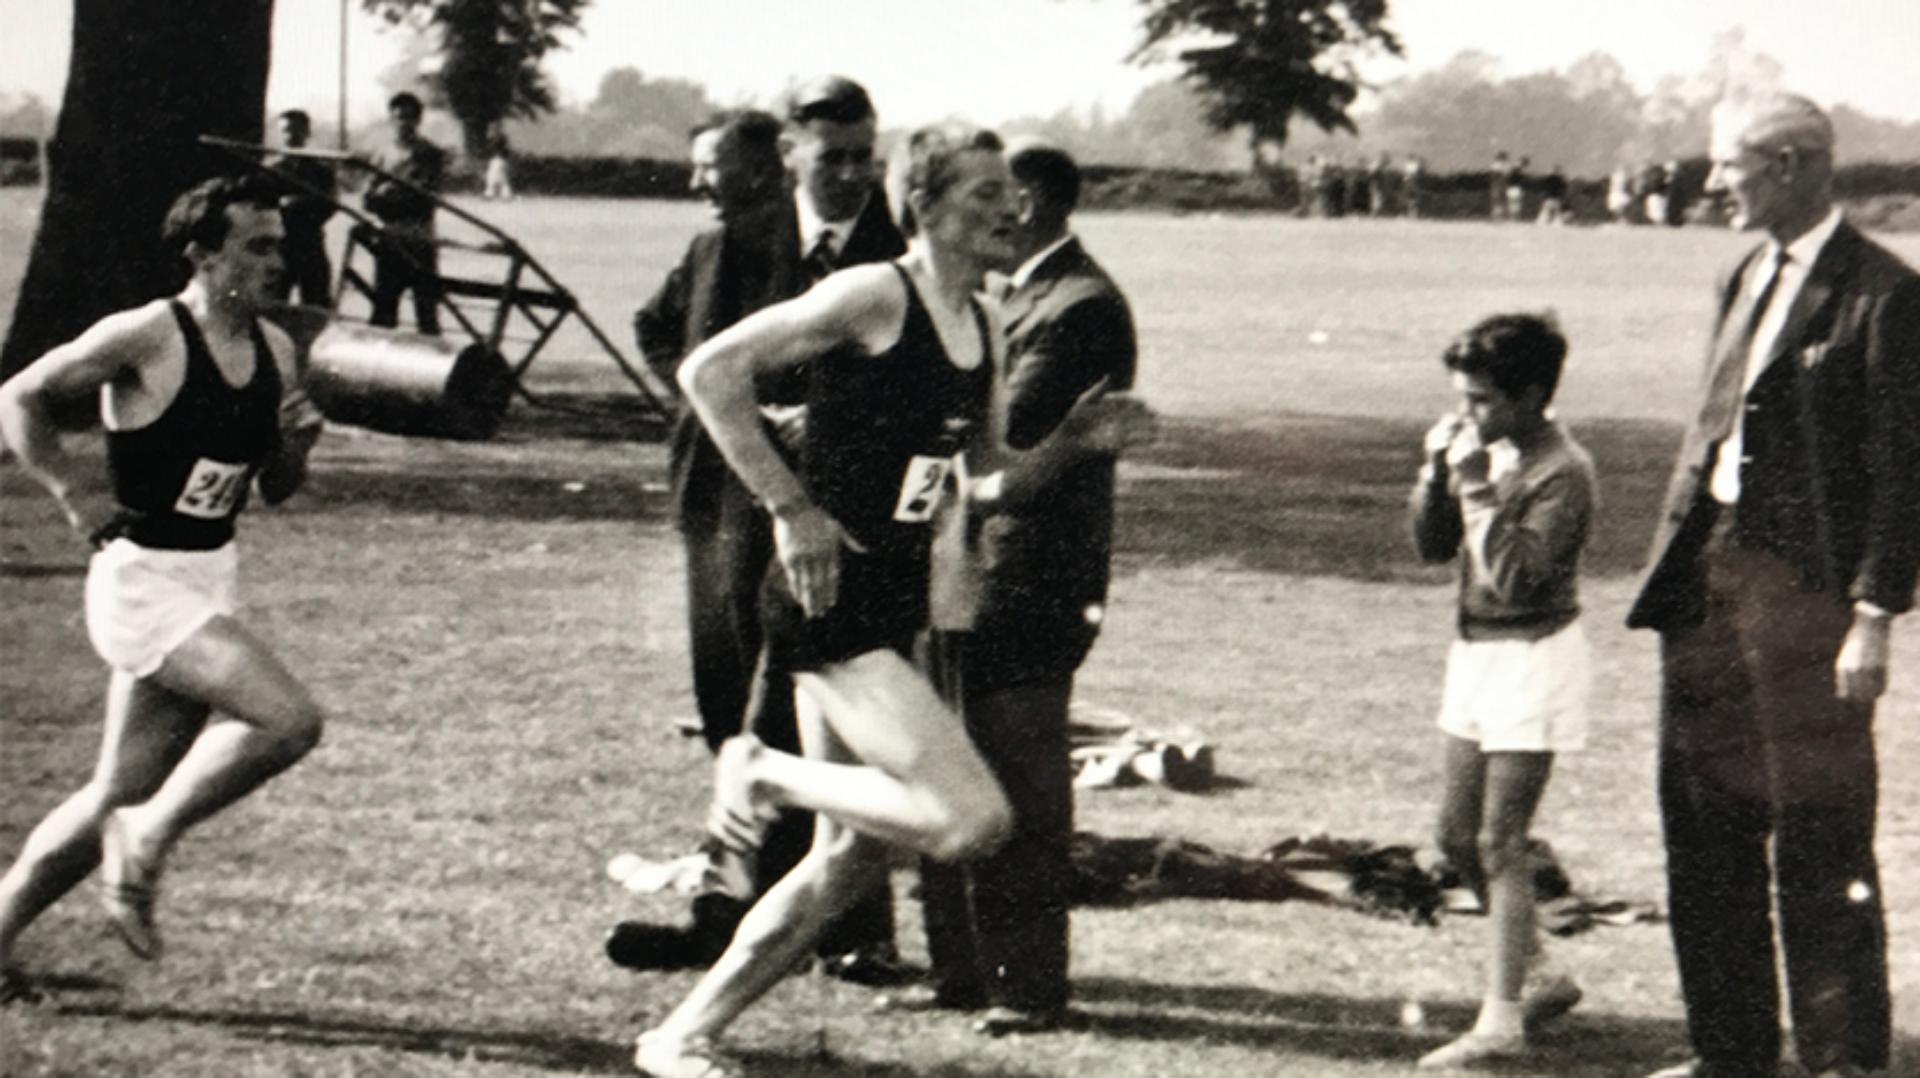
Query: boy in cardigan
[1509, 491]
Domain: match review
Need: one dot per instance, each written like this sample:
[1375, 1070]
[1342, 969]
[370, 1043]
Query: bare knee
[974, 829]
[298, 727]
[1502, 850]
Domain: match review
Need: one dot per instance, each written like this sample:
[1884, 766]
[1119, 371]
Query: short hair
[1050, 172]
[752, 129]
[199, 215]
[299, 116]
[1775, 121]
[407, 101]
[834, 98]
[927, 164]
[1516, 352]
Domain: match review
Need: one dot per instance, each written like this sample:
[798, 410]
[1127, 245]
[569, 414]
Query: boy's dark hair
[405, 100]
[1514, 351]
[200, 214]
[298, 116]
[835, 98]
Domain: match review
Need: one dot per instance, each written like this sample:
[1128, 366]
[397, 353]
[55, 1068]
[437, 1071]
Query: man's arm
[1086, 342]
[300, 423]
[1883, 586]
[113, 349]
[660, 325]
[862, 306]
[1063, 403]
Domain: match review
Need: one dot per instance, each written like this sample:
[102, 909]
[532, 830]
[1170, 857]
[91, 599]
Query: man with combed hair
[306, 202]
[997, 927]
[201, 400]
[1788, 545]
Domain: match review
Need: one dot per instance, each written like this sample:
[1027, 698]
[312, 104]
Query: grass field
[497, 632]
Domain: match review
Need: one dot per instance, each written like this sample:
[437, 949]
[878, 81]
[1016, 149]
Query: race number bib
[213, 489]
[921, 487]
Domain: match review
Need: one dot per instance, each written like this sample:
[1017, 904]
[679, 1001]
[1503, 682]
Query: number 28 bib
[212, 490]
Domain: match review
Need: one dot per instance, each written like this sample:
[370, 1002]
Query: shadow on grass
[1356, 1028]
[1327, 496]
[538, 1049]
[528, 1048]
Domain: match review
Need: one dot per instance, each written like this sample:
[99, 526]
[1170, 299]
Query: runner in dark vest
[201, 404]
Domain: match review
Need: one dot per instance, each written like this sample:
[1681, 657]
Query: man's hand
[1860, 673]
[807, 541]
[1108, 422]
[88, 509]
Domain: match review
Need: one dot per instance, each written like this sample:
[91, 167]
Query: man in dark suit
[1789, 542]
[997, 927]
[768, 247]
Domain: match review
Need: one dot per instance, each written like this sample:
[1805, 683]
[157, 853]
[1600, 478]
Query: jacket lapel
[1023, 301]
[1819, 288]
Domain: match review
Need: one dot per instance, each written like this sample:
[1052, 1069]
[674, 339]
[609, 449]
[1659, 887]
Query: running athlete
[902, 366]
[202, 403]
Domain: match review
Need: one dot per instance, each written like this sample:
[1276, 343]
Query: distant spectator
[1360, 183]
[1553, 198]
[1310, 179]
[1413, 179]
[1620, 194]
[1333, 188]
[1653, 193]
[406, 253]
[1381, 184]
[1499, 174]
[499, 182]
[307, 186]
[1516, 184]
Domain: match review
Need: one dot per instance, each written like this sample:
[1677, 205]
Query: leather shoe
[921, 998]
[641, 946]
[870, 966]
[1010, 1021]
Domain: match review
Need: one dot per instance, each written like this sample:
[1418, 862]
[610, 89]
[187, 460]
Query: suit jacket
[727, 273]
[1830, 481]
[1045, 561]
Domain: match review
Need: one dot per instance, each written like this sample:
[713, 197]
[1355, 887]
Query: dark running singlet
[181, 479]
[882, 435]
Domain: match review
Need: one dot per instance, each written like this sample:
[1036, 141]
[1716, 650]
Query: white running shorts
[143, 603]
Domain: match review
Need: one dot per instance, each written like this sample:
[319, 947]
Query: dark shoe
[1008, 1022]
[15, 988]
[637, 945]
[921, 998]
[874, 967]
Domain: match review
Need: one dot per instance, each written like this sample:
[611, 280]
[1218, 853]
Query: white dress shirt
[1801, 253]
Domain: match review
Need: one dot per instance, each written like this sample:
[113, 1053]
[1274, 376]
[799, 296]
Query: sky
[992, 60]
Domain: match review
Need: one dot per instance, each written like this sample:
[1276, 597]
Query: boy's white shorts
[1519, 695]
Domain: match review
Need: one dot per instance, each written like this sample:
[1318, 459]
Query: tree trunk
[145, 81]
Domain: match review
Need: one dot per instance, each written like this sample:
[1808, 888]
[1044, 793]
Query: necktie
[1727, 387]
[821, 259]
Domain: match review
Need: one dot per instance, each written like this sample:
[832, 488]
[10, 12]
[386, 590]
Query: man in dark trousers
[1789, 543]
[305, 205]
[997, 927]
[406, 253]
[759, 255]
